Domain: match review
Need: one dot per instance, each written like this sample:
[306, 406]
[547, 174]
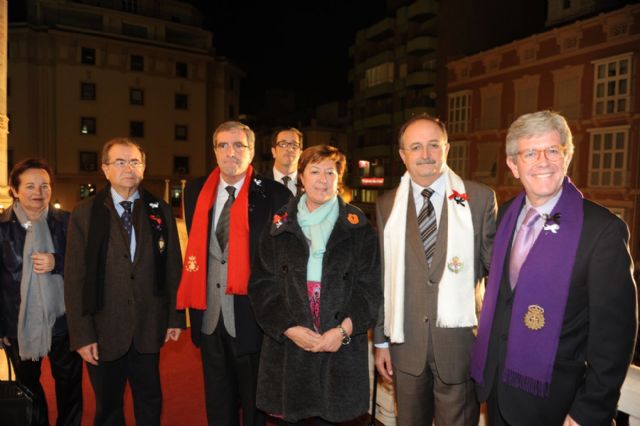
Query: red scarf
[192, 292]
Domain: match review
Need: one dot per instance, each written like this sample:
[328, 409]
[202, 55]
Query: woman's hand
[332, 339]
[43, 262]
[303, 337]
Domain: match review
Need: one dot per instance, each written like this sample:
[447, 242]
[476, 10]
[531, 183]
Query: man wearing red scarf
[225, 214]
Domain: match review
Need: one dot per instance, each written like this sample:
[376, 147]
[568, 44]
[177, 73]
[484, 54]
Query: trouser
[108, 379]
[66, 369]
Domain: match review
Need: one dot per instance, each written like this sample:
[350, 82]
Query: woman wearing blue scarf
[315, 289]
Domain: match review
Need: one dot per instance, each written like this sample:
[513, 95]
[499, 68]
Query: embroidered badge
[154, 205]
[161, 244]
[192, 264]
[534, 318]
[353, 218]
[458, 197]
[258, 182]
[456, 265]
[551, 222]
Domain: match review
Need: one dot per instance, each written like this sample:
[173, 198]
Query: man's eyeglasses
[121, 164]
[552, 153]
[237, 146]
[431, 147]
[288, 145]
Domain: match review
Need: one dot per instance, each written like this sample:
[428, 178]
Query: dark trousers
[230, 381]
[316, 421]
[493, 409]
[108, 379]
[66, 368]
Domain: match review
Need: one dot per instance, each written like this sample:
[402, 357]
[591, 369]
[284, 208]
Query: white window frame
[459, 112]
[604, 176]
[458, 157]
[602, 82]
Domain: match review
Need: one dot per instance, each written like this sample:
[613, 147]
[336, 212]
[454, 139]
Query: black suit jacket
[265, 198]
[597, 336]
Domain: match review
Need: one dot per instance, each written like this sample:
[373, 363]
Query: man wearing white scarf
[426, 328]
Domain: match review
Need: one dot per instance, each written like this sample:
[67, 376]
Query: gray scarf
[41, 295]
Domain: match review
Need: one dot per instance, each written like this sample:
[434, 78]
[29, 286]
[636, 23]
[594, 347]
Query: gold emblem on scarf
[161, 244]
[192, 264]
[534, 318]
[456, 265]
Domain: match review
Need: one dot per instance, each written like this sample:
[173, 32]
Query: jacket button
[223, 261]
[426, 319]
[218, 285]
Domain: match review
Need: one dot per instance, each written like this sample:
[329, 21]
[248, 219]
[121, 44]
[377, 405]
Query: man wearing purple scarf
[559, 320]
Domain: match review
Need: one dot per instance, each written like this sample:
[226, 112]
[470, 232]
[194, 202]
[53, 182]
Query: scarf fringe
[528, 384]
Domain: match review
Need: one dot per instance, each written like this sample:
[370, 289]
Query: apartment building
[84, 71]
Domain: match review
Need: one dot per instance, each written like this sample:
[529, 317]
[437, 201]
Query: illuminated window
[88, 125]
[612, 86]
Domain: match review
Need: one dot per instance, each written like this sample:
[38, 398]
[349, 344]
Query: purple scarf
[544, 282]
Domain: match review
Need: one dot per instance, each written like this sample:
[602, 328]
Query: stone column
[5, 199]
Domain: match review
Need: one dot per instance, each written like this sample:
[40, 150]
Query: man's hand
[4, 341]
[303, 337]
[568, 421]
[43, 262]
[173, 334]
[383, 363]
[89, 353]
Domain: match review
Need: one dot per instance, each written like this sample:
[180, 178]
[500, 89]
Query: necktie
[127, 217]
[286, 180]
[428, 225]
[522, 244]
[222, 229]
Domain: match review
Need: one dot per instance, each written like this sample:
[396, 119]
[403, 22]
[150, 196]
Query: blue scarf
[317, 227]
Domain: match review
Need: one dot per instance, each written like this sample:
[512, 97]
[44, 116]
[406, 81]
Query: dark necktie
[222, 229]
[286, 180]
[127, 217]
[522, 245]
[428, 225]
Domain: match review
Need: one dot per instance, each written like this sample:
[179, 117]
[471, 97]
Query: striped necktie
[428, 225]
[222, 229]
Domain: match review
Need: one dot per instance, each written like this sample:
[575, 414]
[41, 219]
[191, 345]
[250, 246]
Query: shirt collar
[117, 198]
[238, 185]
[277, 175]
[438, 187]
[547, 207]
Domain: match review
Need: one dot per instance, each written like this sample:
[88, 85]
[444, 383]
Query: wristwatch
[346, 339]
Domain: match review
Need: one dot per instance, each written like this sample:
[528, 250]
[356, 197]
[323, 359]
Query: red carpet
[182, 387]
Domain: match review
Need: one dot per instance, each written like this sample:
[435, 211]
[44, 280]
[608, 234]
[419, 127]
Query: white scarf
[456, 290]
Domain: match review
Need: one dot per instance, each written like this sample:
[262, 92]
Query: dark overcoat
[292, 382]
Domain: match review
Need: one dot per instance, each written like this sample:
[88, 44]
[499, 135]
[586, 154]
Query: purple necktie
[522, 244]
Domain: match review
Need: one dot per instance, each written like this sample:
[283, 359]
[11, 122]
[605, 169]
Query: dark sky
[298, 45]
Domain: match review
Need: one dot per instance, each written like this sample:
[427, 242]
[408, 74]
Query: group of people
[283, 280]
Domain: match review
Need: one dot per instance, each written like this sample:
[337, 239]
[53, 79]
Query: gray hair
[228, 126]
[538, 124]
[121, 141]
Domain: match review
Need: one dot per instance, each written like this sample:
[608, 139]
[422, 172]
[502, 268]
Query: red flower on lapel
[458, 197]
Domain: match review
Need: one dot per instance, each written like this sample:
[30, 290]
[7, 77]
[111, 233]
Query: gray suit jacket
[132, 314]
[451, 346]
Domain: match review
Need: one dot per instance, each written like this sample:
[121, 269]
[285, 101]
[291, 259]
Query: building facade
[587, 71]
[82, 72]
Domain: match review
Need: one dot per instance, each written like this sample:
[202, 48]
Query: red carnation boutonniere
[279, 220]
[458, 197]
[156, 222]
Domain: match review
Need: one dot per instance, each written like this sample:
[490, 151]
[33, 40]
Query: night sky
[285, 44]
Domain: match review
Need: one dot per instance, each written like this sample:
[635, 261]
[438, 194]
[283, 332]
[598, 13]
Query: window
[136, 129]
[134, 30]
[137, 63]
[379, 74]
[181, 101]
[612, 85]
[491, 97]
[608, 156]
[88, 161]
[88, 91]
[181, 132]
[567, 94]
[87, 190]
[566, 4]
[458, 158]
[88, 56]
[459, 111]
[182, 69]
[88, 125]
[526, 94]
[180, 165]
[136, 96]
[130, 5]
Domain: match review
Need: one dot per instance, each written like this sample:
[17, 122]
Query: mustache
[427, 161]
